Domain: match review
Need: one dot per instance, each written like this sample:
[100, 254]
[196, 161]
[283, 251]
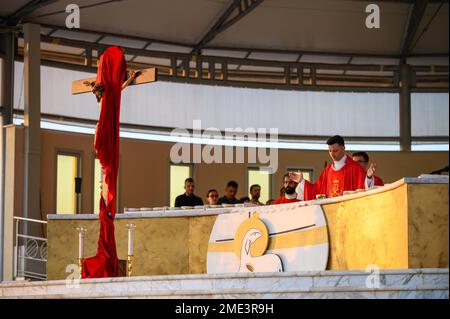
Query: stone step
[408, 283]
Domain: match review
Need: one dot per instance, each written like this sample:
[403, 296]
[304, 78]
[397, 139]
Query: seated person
[290, 196]
[188, 198]
[230, 194]
[211, 197]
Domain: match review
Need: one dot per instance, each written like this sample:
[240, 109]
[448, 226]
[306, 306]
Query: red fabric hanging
[111, 73]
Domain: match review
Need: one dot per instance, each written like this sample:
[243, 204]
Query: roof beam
[14, 18]
[414, 19]
[267, 63]
[241, 7]
[245, 49]
[307, 52]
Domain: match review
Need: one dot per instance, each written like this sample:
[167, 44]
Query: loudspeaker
[78, 185]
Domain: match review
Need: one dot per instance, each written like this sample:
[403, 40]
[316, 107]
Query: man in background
[362, 158]
[230, 194]
[255, 193]
[290, 195]
[188, 198]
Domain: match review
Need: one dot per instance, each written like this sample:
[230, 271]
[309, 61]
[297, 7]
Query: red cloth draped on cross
[110, 76]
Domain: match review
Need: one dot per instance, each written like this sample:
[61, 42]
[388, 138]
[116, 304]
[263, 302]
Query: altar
[403, 225]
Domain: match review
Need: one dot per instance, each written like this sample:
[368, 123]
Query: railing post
[16, 250]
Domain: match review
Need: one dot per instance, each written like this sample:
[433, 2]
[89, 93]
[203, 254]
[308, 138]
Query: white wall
[172, 105]
[429, 114]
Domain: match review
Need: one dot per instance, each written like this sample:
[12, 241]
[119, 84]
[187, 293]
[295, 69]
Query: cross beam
[143, 76]
[417, 13]
[242, 7]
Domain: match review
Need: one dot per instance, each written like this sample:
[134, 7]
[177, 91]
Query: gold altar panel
[62, 246]
[159, 245]
[199, 231]
[369, 230]
[428, 225]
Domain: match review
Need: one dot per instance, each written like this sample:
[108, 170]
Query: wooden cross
[143, 76]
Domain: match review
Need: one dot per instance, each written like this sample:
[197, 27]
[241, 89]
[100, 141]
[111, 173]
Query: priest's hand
[296, 176]
[371, 170]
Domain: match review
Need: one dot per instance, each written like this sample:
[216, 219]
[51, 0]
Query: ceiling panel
[273, 56]
[174, 20]
[122, 41]
[168, 48]
[334, 26]
[323, 26]
[9, 7]
[79, 36]
[308, 58]
[432, 33]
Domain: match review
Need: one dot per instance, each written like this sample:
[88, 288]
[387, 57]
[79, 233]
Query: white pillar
[32, 122]
[7, 101]
[9, 200]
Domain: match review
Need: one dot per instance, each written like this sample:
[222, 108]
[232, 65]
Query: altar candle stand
[81, 233]
[130, 256]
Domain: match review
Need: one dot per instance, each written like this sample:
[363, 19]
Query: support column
[32, 122]
[405, 107]
[10, 204]
[7, 102]
[8, 45]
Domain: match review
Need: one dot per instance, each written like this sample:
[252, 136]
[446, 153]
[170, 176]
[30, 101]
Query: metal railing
[30, 252]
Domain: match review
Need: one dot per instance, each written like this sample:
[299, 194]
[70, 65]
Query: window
[307, 172]
[68, 168]
[178, 173]
[262, 178]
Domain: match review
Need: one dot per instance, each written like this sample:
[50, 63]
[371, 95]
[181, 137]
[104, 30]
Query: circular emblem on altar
[279, 238]
[252, 229]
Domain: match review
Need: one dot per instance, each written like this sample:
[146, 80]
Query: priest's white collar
[337, 165]
[292, 196]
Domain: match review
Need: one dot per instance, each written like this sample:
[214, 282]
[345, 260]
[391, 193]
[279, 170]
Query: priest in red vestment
[343, 174]
[290, 196]
[108, 86]
[362, 158]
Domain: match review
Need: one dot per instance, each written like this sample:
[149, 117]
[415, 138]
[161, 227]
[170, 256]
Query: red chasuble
[333, 183]
[111, 73]
[378, 181]
[284, 200]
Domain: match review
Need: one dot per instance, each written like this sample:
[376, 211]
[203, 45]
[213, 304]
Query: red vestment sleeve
[378, 181]
[319, 187]
[111, 73]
